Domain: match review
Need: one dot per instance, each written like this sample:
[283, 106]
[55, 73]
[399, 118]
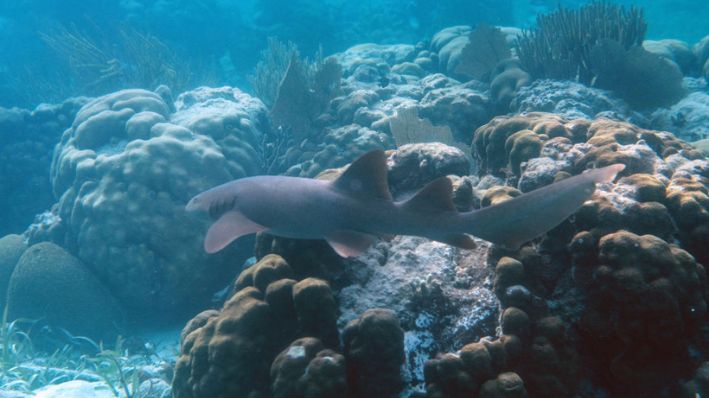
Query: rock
[75, 389]
[570, 100]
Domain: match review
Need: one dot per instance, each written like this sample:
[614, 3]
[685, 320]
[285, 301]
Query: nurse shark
[356, 208]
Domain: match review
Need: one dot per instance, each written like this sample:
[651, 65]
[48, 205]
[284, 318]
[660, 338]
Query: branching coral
[560, 46]
[138, 60]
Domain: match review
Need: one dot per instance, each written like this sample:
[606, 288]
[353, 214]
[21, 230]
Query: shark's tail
[516, 221]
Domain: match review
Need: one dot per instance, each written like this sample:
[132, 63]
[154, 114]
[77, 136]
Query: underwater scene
[354, 199]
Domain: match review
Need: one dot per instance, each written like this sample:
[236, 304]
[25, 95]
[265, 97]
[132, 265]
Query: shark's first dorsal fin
[366, 177]
[435, 196]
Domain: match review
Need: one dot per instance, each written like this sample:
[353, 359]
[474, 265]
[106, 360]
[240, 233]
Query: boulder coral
[123, 172]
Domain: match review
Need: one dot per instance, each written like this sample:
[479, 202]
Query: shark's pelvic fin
[462, 241]
[230, 226]
[437, 195]
[349, 243]
[366, 177]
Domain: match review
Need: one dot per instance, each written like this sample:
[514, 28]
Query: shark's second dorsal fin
[366, 177]
[435, 196]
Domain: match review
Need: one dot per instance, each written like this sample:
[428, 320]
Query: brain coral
[51, 285]
[124, 171]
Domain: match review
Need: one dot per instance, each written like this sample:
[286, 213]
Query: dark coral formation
[230, 354]
[621, 310]
[374, 348]
[277, 337]
[306, 369]
[533, 356]
[646, 309]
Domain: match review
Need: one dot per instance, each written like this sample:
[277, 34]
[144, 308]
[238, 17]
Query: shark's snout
[195, 204]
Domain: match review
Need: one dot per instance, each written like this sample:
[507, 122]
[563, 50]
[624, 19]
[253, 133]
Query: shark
[354, 210]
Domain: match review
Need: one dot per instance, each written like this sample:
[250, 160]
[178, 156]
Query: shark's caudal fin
[516, 221]
[366, 177]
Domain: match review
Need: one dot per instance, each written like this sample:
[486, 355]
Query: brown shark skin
[305, 208]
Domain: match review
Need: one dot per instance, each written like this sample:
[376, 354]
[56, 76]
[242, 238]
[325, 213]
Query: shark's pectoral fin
[349, 243]
[462, 241]
[230, 226]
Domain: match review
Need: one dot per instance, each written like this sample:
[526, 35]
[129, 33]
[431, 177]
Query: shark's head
[198, 202]
[217, 200]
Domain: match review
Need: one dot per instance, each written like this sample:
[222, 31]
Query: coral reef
[27, 140]
[508, 78]
[123, 173]
[688, 119]
[570, 100]
[414, 165]
[701, 52]
[610, 303]
[50, 285]
[597, 312]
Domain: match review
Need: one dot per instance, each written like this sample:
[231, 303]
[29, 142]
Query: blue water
[115, 114]
[221, 40]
